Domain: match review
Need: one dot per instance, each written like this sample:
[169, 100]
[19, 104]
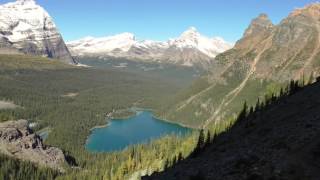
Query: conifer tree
[180, 158]
[208, 140]
[201, 141]
[243, 112]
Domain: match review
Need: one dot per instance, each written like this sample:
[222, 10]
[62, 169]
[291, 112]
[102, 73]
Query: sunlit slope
[260, 63]
[30, 62]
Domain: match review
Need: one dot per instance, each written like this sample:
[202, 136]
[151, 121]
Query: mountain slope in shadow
[279, 141]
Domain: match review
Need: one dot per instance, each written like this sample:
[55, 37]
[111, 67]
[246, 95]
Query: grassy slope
[219, 100]
[207, 97]
[10, 62]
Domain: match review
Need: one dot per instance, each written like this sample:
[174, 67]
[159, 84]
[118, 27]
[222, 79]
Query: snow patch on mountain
[25, 18]
[193, 39]
[189, 49]
[121, 42]
[27, 27]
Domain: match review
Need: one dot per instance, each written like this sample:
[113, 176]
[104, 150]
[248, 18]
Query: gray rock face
[26, 27]
[18, 141]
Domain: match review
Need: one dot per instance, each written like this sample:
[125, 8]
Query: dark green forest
[11, 169]
[41, 90]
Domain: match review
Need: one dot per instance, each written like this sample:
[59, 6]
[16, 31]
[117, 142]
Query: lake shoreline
[102, 140]
[165, 120]
[110, 117]
[136, 110]
[99, 126]
[174, 122]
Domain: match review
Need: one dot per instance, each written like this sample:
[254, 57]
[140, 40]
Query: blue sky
[162, 19]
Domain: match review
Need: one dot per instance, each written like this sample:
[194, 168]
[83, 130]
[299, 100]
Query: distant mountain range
[27, 28]
[190, 49]
[261, 62]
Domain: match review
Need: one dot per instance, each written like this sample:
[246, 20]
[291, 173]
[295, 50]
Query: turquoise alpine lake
[141, 128]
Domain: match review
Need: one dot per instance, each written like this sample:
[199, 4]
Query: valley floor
[71, 100]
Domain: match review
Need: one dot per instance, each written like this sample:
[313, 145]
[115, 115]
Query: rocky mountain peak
[126, 36]
[191, 32]
[311, 10]
[261, 23]
[189, 38]
[28, 28]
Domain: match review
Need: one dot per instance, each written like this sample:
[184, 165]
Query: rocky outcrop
[17, 140]
[27, 28]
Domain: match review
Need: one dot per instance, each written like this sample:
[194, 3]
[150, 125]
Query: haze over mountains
[267, 57]
[190, 49]
[27, 28]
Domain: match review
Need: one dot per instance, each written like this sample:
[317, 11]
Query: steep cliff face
[288, 50]
[265, 58]
[26, 27]
[18, 141]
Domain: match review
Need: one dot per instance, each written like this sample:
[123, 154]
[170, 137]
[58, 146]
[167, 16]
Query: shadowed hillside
[279, 140]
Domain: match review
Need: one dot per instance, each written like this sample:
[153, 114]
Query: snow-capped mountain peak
[190, 34]
[23, 16]
[193, 39]
[23, 2]
[189, 48]
[151, 44]
[27, 27]
[104, 45]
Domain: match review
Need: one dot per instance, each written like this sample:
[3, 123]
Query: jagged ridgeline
[264, 60]
[191, 49]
